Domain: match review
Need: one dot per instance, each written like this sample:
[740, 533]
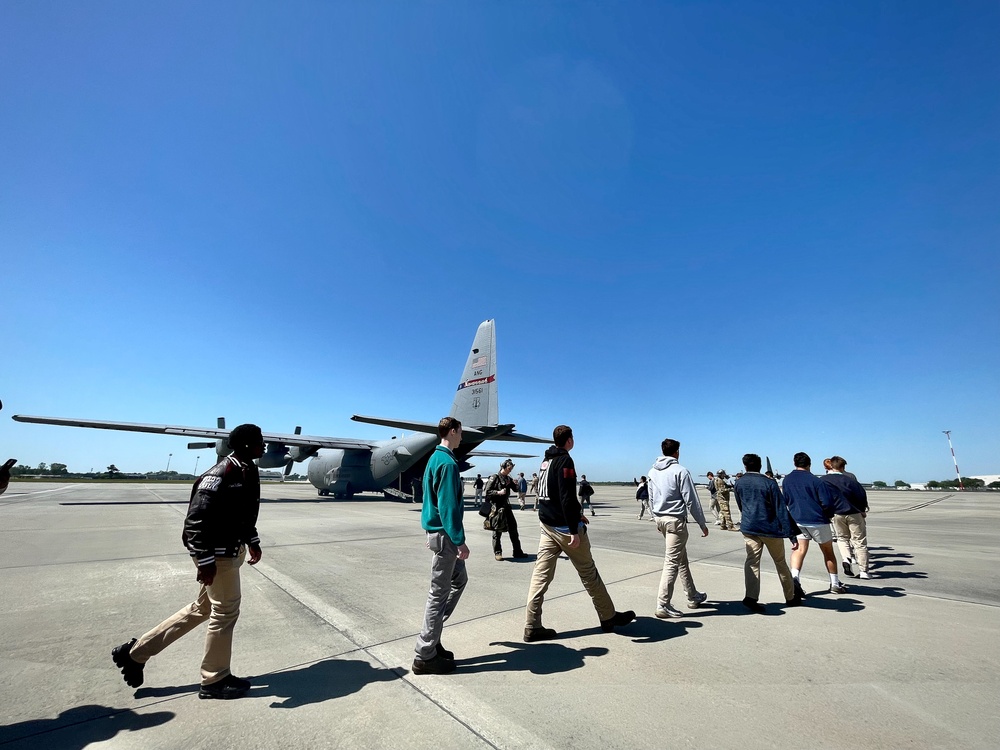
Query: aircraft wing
[488, 432]
[517, 437]
[213, 433]
[405, 424]
[494, 454]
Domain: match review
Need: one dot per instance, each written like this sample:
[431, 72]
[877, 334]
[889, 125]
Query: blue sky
[752, 227]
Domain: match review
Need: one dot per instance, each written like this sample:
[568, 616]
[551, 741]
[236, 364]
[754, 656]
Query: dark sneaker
[445, 653]
[620, 618]
[437, 665]
[538, 634]
[753, 605]
[225, 689]
[799, 593]
[795, 601]
[847, 568]
[838, 588]
[519, 555]
[131, 669]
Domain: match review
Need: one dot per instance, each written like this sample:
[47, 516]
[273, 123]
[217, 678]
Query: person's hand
[704, 530]
[584, 521]
[574, 541]
[206, 574]
[463, 552]
[255, 553]
[795, 544]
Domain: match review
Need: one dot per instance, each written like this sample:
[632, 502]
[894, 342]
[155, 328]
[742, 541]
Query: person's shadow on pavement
[537, 658]
[77, 727]
[319, 681]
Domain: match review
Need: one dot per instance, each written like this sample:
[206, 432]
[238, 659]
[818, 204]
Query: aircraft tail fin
[476, 402]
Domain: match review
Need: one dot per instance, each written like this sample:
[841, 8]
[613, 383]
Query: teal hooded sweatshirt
[444, 504]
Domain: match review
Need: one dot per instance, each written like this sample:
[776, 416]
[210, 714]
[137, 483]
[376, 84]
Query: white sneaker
[700, 598]
[865, 575]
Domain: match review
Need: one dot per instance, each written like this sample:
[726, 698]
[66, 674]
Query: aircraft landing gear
[324, 493]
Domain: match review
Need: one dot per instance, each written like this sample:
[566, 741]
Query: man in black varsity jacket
[219, 529]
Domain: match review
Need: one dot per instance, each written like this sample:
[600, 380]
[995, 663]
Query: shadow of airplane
[80, 726]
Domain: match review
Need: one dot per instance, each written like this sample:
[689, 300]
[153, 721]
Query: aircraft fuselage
[343, 473]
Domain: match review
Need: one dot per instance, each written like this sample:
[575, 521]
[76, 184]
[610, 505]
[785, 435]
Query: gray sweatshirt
[672, 492]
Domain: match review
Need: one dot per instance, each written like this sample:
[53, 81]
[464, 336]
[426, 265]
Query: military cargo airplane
[393, 467]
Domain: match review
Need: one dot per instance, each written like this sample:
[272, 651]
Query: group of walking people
[220, 534]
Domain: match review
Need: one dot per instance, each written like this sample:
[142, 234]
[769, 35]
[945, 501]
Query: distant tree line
[946, 484]
[111, 472]
[42, 468]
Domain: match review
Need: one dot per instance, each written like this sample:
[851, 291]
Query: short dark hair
[446, 425]
[669, 446]
[837, 463]
[245, 435]
[751, 462]
[561, 435]
[802, 460]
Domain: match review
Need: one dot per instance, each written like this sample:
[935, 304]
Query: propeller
[292, 453]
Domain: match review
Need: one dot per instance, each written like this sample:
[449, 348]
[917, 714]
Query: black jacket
[222, 513]
[561, 507]
[498, 489]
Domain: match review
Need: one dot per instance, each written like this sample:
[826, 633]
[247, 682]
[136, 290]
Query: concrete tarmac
[331, 613]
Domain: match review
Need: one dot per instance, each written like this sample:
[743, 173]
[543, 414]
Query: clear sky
[754, 227]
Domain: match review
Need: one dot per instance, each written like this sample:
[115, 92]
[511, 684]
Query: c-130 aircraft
[354, 465]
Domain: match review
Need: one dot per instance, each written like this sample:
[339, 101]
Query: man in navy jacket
[765, 522]
[812, 503]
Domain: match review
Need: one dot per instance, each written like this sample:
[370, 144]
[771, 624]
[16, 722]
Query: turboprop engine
[221, 446]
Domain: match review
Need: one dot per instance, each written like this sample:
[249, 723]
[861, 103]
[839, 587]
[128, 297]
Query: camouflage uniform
[722, 496]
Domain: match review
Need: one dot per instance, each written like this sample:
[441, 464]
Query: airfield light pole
[196, 459]
[169, 456]
[957, 473]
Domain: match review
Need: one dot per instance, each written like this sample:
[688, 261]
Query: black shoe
[753, 605]
[436, 665]
[847, 569]
[445, 653]
[225, 689]
[620, 618]
[538, 634]
[799, 593]
[131, 669]
[838, 588]
[795, 601]
[519, 555]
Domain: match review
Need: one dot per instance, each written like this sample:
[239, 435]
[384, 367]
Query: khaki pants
[751, 568]
[675, 559]
[550, 545]
[852, 531]
[220, 605]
